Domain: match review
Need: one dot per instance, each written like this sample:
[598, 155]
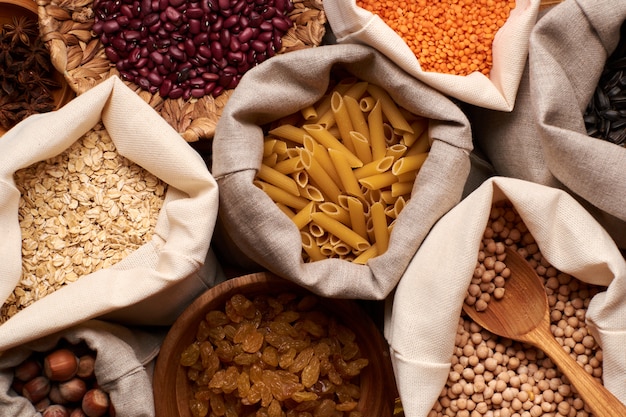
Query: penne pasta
[281, 196]
[289, 132]
[409, 163]
[289, 165]
[321, 178]
[303, 217]
[326, 139]
[422, 144]
[375, 167]
[270, 160]
[309, 113]
[401, 188]
[418, 126]
[335, 211]
[342, 120]
[348, 180]
[378, 181]
[377, 132]
[301, 178]
[288, 212]
[361, 147]
[357, 216]
[407, 176]
[312, 193]
[282, 181]
[321, 154]
[389, 108]
[366, 255]
[367, 104]
[316, 230]
[396, 151]
[346, 234]
[357, 118]
[311, 247]
[356, 90]
[379, 222]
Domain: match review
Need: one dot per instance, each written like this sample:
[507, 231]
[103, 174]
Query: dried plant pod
[77, 53]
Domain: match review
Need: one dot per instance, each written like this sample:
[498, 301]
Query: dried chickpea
[515, 379]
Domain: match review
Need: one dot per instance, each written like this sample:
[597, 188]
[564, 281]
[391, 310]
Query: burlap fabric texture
[262, 233]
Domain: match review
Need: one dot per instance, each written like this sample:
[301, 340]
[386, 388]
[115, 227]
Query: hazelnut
[55, 395]
[36, 389]
[55, 410]
[72, 390]
[27, 370]
[86, 365]
[60, 365]
[43, 404]
[78, 412]
[95, 403]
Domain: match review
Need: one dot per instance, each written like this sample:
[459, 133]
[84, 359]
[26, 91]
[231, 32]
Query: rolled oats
[81, 211]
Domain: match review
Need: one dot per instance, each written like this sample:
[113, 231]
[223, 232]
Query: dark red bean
[127, 76]
[217, 25]
[233, 83]
[239, 6]
[235, 57]
[118, 43]
[173, 15]
[265, 37]
[245, 35]
[165, 88]
[244, 47]
[110, 26]
[266, 26]
[282, 23]
[141, 63]
[134, 55]
[195, 26]
[217, 90]
[136, 24]
[277, 43]
[258, 45]
[187, 94]
[176, 3]
[205, 51]
[127, 11]
[123, 21]
[150, 19]
[208, 89]
[217, 51]
[175, 93]
[201, 38]
[231, 21]
[146, 6]
[162, 70]
[169, 27]
[225, 79]
[111, 54]
[210, 76]
[268, 13]
[176, 53]
[235, 44]
[190, 48]
[155, 28]
[132, 35]
[197, 92]
[155, 79]
[223, 4]
[97, 27]
[194, 12]
[156, 57]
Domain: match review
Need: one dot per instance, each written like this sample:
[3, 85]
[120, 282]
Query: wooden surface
[172, 391]
[524, 315]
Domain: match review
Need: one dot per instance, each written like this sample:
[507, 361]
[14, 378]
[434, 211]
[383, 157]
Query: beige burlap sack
[422, 324]
[352, 24]
[543, 139]
[262, 233]
[152, 284]
[122, 366]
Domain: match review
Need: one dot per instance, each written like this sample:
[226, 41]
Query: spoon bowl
[523, 314]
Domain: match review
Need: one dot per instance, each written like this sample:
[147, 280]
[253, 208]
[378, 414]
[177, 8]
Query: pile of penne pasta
[343, 169]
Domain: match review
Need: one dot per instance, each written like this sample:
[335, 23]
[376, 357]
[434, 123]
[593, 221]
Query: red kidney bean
[110, 26]
[175, 93]
[244, 47]
[265, 37]
[127, 11]
[165, 88]
[155, 79]
[111, 54]
[258, 45]
[282, 23]
[176, 53]
[231, 21]
[216, 50]
[190, 48]
[156, 57]
[176, 3]
[205, 51]
[118, 44]
[132, 35]
[239, 6]
[150, 19]
[141, 63]
[201, 38]
[225, 38]
[225, 79]
[210, 76]
[245, 35]
[194, 12]
[235, 45]
[173, 15]
[208, 89]
[268, 13]
[223, 4]
[235, 57]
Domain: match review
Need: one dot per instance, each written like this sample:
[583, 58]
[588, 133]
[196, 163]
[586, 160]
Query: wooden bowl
[29, 8]
[172, 390]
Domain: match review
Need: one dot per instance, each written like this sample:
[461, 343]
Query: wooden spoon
[523, 314]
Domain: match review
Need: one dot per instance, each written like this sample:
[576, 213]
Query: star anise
[9, 109]
[21, 29]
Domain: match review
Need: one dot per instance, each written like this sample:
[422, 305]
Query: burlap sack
[543, 139]
[263, 234]
[154, 283]
[352, 24]
[122, 367]
[422, 324]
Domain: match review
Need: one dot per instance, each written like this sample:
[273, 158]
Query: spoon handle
[600, 400]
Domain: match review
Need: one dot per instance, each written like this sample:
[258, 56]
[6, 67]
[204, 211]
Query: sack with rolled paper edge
[352, 24]
[543, 139]
[255, 233]
[152, 284]
[422, 323]
[123, 365]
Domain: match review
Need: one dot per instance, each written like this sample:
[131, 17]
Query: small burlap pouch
[353, 24]
[77, 53]
[422, 324]
[150, 285]
[122, 368]
[543, 139]
[263, 234]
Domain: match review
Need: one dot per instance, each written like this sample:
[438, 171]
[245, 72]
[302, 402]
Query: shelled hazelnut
[61, 383]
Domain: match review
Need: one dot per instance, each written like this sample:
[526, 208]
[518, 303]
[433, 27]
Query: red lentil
[447, 36]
